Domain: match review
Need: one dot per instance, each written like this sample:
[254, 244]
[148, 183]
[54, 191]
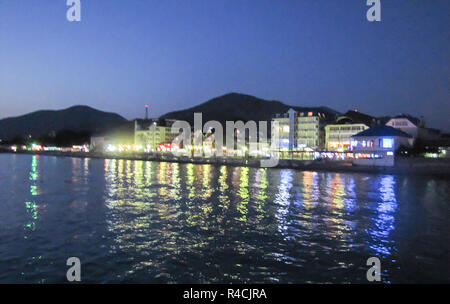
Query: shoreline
[403, 166]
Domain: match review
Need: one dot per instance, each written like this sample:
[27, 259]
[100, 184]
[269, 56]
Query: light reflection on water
[136, 221]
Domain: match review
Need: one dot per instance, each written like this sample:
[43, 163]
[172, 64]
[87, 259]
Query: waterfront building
[310, 131]
[338, 135]
[407, 124]
[376, 146]
[300, 131]
[414, 126]
[121, 135]
[153, 134]
[285, 138]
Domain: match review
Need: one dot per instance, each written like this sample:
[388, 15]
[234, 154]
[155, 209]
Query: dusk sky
[176, 54]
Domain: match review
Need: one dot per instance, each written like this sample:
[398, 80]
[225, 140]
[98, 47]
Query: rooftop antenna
[146, 112]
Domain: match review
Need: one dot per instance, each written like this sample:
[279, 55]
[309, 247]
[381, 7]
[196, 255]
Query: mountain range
[229, 107]
[47, 122]
[235, 106]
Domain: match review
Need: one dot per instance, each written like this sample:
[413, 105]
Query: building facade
[376, 146]
[414, 127]
[310, 132]
[285, 138]
[300, 130]
[407, 124]
[149, 134]
[338, 136]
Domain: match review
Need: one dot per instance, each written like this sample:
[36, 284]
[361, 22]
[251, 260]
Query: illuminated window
[388, 142]
[284, 142]
[310, 113]
[364, 143]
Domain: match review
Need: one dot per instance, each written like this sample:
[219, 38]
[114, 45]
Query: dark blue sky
[176, 54]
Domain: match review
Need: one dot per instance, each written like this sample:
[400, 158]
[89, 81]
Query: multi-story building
[150, 133]
[300, 130]
[285, 141]
[414, 127]
[310, 131]
[406, 123]
[338, 136]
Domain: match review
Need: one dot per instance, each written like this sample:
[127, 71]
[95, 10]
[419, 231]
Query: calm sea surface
[150, 222]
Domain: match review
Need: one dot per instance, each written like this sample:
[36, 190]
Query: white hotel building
[376, 146]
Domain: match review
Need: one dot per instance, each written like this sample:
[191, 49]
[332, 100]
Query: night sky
[176, 54]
